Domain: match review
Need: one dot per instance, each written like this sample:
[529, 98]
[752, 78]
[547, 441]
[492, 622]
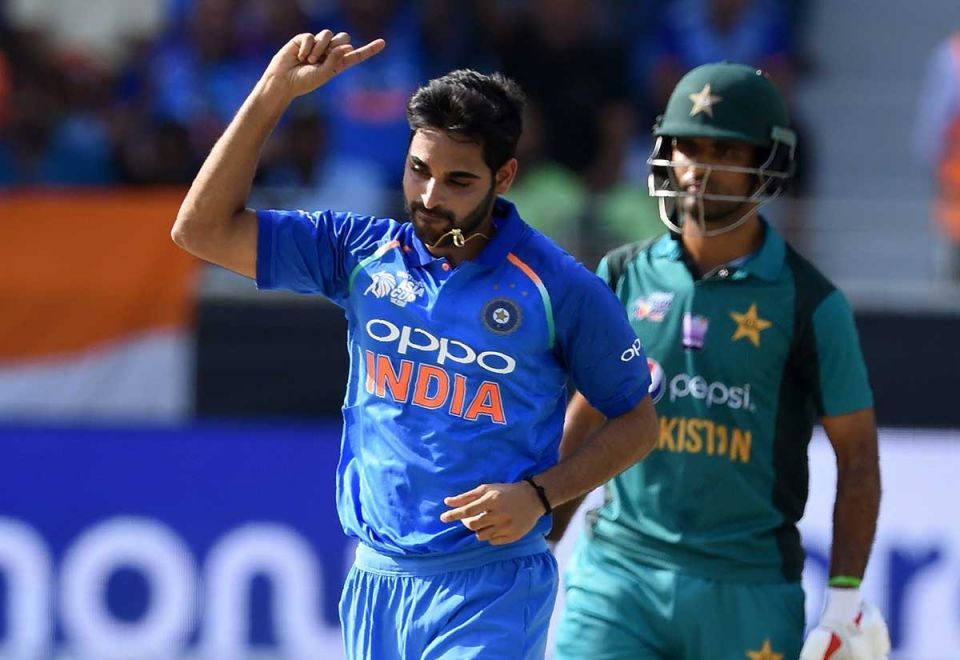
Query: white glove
[850, 629]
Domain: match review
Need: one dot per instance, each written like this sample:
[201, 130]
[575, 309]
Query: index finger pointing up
[363, 53]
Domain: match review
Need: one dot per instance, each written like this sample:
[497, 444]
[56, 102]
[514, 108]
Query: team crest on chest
[399, 287]
[749, 325]
[502, 316]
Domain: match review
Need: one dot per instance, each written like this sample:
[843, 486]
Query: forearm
[582, 421]
[620, 442]
[221, 188]
[855, 518]
[504, 512]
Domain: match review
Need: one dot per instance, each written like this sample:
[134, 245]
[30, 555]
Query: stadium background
[168, 436]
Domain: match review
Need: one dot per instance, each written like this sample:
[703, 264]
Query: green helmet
[723, 101]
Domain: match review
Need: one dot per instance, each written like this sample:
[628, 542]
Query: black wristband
[541, 493]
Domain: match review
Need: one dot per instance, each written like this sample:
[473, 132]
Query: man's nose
[432, 194]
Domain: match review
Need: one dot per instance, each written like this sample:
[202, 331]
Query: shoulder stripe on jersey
[382, 250]
[619, 258]
[544, 295]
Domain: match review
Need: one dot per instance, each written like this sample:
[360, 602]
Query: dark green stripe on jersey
[744, 360]
[799, 396]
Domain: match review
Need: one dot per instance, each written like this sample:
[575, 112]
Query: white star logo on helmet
[703, 101]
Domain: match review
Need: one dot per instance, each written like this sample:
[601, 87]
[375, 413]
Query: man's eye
[459, 184]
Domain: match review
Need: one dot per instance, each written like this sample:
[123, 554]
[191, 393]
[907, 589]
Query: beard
[432, 229]
[714, 212]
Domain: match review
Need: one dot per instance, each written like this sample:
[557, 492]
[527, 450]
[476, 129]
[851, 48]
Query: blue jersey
[457, 374]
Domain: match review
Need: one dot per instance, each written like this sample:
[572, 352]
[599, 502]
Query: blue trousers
[413, 609]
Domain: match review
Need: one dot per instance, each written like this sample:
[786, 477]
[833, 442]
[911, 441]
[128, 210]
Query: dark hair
[487, 109]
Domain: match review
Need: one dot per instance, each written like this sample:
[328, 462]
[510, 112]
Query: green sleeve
[603, 272]
[843, 383]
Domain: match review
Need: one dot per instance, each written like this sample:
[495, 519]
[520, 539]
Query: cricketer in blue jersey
[464, 325]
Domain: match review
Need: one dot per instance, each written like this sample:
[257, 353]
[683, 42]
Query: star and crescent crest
[703, 101]
[749, 325]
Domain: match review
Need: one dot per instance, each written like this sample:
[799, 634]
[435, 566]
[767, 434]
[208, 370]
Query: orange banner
[81, 268]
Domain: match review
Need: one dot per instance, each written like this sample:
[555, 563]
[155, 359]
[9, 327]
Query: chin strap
[457, 238]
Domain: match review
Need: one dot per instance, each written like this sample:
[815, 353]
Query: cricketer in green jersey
[695, 553]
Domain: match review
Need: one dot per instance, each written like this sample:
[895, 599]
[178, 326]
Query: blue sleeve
[311, 252]
[603, 355]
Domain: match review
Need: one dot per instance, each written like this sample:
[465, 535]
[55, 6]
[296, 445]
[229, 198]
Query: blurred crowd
[106, 92]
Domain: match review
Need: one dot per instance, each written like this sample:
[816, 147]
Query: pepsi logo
[657, 380]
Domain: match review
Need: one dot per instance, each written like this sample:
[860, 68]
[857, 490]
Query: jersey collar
[509, 228]
[765, 264]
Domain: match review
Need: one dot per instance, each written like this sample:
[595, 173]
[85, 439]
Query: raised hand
[309, 61]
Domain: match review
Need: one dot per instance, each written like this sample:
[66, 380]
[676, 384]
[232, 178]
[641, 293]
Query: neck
[473, 245]
[708, 252]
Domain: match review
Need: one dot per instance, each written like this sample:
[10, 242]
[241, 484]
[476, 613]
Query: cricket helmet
[723, 101]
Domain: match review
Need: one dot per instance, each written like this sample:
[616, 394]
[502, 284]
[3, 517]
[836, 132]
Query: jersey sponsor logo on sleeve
[400, 288]
[635, 350]
[652, 307]
[502, 316]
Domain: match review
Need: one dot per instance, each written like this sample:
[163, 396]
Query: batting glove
[850, 629]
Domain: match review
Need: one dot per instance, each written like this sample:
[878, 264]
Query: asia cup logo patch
[501, 316]
[653, 307]
[401, 289]
[657, 380]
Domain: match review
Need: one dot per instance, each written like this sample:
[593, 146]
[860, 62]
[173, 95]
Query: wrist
[842, 604]
[541, 495]
[275, 90]
[844, 582]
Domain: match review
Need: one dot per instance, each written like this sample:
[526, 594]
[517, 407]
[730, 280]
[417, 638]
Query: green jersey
[742, 361]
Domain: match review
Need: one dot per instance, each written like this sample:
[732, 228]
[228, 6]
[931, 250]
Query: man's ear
[505, 176]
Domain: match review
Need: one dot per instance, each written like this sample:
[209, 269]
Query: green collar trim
[766, 263]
